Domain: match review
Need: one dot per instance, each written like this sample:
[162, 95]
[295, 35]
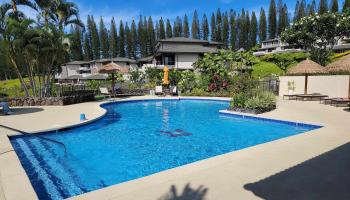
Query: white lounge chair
[159, 90]
[104, 91]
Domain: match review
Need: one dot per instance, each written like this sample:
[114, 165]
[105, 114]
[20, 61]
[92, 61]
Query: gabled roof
[188, 49]
[77, 62]
[188, 40]
[117, 59]
[183, 40]
[145, 59]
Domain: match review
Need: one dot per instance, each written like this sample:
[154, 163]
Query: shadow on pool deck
[188, 193]
[326, 176]
[22, 111]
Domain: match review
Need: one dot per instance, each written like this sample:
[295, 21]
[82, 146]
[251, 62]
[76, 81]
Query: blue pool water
[136, 139]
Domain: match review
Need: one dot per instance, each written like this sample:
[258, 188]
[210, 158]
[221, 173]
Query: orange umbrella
[166, 76]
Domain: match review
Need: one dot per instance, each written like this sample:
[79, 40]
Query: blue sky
[132, 9]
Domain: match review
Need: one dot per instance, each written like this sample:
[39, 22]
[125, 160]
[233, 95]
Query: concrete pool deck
[245, 174]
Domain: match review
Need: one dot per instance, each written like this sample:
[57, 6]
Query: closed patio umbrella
[166, 76]
[306, 68]
[341, 66]
[112, 68]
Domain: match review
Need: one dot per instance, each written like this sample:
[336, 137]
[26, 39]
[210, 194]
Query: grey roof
[341, 46]
[270, 40]
[73, 77]
[188, 49]
[145, 59]
[96, 77]
[77, 62]
[183, 40]
[117, 59]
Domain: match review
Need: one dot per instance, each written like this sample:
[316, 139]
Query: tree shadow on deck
[188, 193]
[23, 111]
[326, 176]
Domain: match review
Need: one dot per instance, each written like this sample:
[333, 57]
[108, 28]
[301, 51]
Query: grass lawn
[264, 69]
[11, 88]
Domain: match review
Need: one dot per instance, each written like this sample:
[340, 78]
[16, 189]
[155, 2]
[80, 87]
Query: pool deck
[245, 174]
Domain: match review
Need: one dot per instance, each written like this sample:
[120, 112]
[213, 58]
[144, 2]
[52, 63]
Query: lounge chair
[159, 90]
[173, 90]
[104, 91]
[6, 108]
[311, 97]
[340, 102]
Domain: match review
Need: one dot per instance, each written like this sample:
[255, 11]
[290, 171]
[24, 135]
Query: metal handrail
[38, 136]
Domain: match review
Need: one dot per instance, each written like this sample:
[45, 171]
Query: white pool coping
[216, 172]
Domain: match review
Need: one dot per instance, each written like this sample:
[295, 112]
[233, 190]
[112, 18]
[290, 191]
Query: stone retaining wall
[50, 101]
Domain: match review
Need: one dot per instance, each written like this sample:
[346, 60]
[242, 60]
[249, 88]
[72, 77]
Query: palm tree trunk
[14, 6]
[19, 75]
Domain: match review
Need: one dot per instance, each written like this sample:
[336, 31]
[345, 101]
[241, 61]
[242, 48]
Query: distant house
[180, 52]
[275, 46]
[342, 45]
[79, 71]
[74, 69]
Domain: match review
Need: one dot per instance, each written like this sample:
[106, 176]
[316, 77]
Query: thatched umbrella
[341, 66]
[306, 68]
[112, 68]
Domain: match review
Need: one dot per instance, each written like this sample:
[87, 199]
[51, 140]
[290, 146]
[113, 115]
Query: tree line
[234, 29]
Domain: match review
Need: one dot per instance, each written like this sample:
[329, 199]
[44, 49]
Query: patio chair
[173, 90]
[311, 97]
[104, 91]
[159, 90]
[340, 102]
[6, 108]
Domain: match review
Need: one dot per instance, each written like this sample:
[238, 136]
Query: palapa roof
[112, 68]
[306, 67]
[340, 66]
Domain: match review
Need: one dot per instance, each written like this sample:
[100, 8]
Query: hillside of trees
[234, 29]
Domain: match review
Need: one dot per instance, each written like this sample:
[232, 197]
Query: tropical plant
[137, 76]
[188, 81]
[284, 60]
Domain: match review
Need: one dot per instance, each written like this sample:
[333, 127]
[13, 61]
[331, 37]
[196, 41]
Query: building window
[169, 60]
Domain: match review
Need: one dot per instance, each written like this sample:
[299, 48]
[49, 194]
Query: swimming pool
[139, 138]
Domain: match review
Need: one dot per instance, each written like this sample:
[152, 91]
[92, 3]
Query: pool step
[71, 187]
[42, 174]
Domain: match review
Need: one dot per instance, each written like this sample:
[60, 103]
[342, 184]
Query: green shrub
[253, 101]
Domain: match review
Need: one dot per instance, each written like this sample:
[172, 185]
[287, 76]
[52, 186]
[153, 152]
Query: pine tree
[195, 26]
[161, 29]
[302, 9]
[205, 27]
[151, 37]
[334, 6]
[93, 34]
[233, 31]
[346, 5]
[140, 45]
[225, 30]
[262, 26]
[242, 38]
[312, 8]
[247, 30]
[296, 11]
[157, 31]
[272, 26]
[76, 50]
[178, 29]
[113, 40]
[88, 55]
[122, 52]
[145, 38]
[219, 25]
[169, 29]
[323, 7]
[104, 39]
[128, 41]
[253, 32]
[283, 19]
[133, 53]
[186, 31]
[213, 28]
